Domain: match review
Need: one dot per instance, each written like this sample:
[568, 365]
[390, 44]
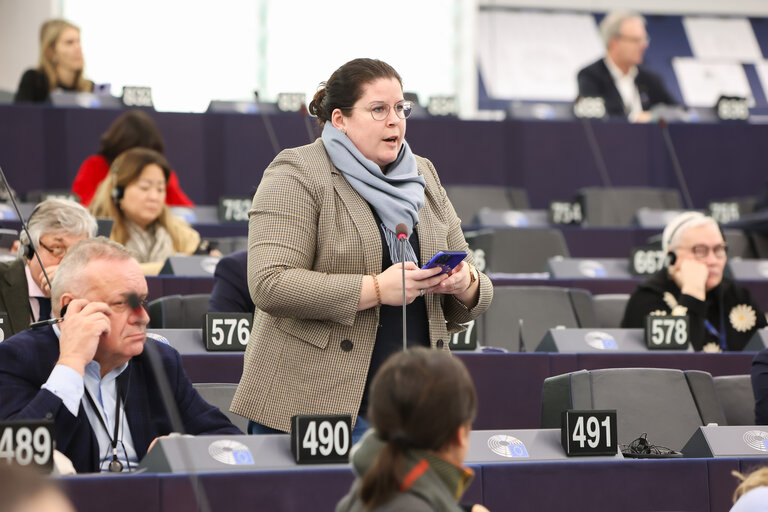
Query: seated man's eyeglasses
[701, 251]
[57, 251]
[380, 110]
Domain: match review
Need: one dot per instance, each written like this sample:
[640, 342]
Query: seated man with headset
[723, 316]
[54, 225]
[90, 371]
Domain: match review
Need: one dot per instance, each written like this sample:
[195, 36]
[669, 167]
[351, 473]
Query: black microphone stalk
[24, 227]
[402, 235]
[675, 163]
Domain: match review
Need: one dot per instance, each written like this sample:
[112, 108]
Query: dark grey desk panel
[703, 485]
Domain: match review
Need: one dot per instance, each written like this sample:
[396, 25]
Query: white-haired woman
[723, 316]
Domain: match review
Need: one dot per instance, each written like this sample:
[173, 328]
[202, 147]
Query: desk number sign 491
[589, 432]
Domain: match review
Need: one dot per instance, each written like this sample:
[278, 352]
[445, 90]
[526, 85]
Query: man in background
[54, 225]
[628, 90]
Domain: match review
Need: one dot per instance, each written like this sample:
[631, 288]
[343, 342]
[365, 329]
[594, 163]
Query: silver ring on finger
[421, 292]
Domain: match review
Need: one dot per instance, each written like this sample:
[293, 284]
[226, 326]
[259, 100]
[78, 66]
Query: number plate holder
[309, 433]
[225, 332]
[27, 443]
[667, 332]
[598, 428]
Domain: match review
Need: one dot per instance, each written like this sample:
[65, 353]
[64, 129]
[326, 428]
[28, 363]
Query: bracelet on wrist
[378, 290]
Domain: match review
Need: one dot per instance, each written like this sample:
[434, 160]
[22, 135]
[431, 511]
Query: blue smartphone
[447, 260]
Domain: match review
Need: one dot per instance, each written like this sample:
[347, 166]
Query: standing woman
[60, 66]
[324, 267]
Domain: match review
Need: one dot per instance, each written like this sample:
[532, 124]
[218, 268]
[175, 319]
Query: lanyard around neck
[115, 466]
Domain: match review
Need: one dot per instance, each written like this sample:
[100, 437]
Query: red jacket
[95, 168]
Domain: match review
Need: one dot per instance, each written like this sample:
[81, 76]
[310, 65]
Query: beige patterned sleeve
[283, 229]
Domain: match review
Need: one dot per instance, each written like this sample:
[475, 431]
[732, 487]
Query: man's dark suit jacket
[760, 386]
[26, 361]
[230, 285]
[595, 81]
[14, 296]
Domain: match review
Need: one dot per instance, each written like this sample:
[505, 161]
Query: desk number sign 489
[27, 443]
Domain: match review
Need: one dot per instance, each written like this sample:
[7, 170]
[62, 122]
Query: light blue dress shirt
[68, 385]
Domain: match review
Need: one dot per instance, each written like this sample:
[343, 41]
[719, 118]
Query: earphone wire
[24, 227]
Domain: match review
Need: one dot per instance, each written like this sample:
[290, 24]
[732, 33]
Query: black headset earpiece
[28, 251]
[117, 194]
[670, 259]
[640, 445]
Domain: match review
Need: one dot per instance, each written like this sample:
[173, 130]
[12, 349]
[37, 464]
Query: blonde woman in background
[60, 65]
[752, 493]
[133, 194]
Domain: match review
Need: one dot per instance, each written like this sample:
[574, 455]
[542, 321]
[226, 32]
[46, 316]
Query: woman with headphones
[722, 315]
[133, 194]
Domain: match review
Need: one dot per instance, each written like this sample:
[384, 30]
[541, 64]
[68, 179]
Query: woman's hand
[455, 282]
[690, 275]
[459, 284]
[416, 280]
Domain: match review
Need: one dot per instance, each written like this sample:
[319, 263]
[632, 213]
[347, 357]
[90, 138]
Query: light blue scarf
[396, 196]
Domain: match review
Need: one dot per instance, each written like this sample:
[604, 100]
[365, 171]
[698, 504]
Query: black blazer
[230, 285]
[14, 296]
[26, 361]
[596, 81]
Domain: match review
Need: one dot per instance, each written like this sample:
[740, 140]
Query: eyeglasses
[123, 305]
[635, 39]
[57, 251]
[701, 251]
[380, 110]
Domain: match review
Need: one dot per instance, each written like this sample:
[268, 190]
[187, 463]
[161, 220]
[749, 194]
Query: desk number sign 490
[320, 439]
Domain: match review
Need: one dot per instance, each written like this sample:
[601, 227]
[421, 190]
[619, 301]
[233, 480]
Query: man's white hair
[610, 27]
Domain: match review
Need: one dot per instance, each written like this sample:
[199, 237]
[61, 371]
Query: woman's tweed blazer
[311, 239]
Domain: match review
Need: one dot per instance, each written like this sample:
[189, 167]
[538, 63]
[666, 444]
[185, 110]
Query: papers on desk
[533, 55]
[702, 83]
[724, 39]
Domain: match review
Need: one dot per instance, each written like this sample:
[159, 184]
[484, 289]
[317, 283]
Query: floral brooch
[742, 317]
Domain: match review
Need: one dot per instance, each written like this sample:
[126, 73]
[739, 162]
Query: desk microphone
[675, 163]
[597, 156]
[166, 394]
[402, 234]
[269, 128]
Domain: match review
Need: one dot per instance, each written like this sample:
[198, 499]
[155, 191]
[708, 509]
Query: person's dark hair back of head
[345, 86]
[131, 129]
[418, 399]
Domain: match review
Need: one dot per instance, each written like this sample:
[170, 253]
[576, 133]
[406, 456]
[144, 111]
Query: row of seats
[601, 206]
[530, 250]
[540, 307]
[667, 405]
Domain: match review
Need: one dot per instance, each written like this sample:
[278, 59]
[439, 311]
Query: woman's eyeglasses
[380, 110]
[701, 251]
